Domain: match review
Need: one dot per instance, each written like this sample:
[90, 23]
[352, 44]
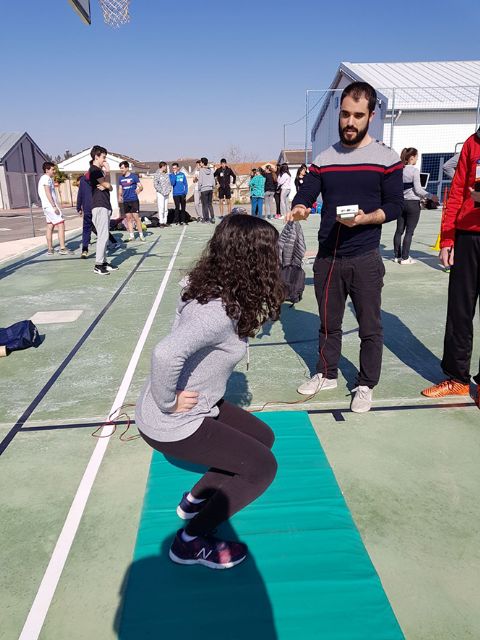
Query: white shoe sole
[317, 389]
[206, 563]
[360, 410]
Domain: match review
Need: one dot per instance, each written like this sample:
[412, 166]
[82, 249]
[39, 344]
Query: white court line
[39, 609]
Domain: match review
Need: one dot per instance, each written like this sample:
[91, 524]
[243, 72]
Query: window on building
[432, 163]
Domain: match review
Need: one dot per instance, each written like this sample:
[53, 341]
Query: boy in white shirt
[51, 209]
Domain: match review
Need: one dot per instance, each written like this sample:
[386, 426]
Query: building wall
[430, 131]
[24, 158]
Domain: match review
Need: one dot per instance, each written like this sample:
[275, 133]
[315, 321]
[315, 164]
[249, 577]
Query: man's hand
[475, 195]
[446, 256]
[99, 186]
[360, 218]
[106, 167]
[186, 400]
[299, 212]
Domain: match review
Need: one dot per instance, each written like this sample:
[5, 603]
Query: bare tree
[235, 154]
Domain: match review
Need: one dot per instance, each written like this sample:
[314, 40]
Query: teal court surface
[369, 532]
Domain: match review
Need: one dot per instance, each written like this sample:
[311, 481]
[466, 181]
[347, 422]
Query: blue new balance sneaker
[207, 550]
[187, 510]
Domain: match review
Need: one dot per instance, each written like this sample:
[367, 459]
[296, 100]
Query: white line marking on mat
[38, 612]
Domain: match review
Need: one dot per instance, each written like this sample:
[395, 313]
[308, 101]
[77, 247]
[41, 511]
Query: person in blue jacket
[84, 207]
[179, 183]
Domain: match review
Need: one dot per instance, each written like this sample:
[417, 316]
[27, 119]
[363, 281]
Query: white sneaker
[315, 384]
[362, 400]
[408, 261]
[397, 260]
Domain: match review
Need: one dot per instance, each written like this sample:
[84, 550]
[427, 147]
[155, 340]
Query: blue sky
[194, 78]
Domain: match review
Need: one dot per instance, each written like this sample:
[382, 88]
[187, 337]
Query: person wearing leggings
[181, 411]
[285, 183]
[410, 215]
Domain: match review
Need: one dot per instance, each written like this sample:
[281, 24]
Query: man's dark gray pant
[207, 205]
[101, 220]
[361, 278]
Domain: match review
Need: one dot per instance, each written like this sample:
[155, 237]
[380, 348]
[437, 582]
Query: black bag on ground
[293, 278]
[20, 335]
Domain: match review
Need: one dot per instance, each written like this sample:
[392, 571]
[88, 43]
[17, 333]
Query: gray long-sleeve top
[206, 181]
[412, 187]
[450, 166]
[199, 354]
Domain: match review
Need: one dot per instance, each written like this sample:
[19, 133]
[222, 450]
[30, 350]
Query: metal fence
[434, 120]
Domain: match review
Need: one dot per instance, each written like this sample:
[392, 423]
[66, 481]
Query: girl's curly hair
[240, 265]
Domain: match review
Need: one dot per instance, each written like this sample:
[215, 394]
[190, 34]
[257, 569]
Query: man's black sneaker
[207, 550]
[110, 267]
[101, 270]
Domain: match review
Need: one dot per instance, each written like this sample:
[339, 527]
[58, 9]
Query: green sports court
[369, 532]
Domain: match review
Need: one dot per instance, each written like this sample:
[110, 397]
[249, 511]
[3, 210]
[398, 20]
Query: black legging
[277, 202]
[236, 446]
[180, 212]
[408, 220]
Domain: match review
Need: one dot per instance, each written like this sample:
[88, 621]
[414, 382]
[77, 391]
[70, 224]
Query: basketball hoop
[115, 12]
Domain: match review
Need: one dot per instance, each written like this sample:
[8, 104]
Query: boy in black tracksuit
[223, 175]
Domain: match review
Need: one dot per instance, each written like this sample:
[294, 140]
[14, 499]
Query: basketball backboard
[82, 7]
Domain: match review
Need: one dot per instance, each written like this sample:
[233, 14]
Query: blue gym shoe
[187, 510]
[209, 551]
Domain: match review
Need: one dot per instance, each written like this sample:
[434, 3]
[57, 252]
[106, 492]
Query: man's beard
[356, 140]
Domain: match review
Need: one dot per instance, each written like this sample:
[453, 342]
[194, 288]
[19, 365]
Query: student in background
[270, 186]
[163, 187]
[196, 192]
[179, 183]
[99, 178]
[225, 176]
[285, 184]
[129, 186]
[206, 182]
[257, 192]
[84, 208]
[408, 219]
[51, 209]
[301, 172]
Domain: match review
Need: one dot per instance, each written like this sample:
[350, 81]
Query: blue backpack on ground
[20, 335]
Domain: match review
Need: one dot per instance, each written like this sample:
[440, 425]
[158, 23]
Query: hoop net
[115, 12]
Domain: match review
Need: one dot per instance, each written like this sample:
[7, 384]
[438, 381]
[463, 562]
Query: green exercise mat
[308, 574]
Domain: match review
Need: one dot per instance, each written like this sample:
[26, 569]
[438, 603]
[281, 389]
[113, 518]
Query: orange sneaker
[447, 388]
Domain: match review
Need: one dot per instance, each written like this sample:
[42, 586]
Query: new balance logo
[203, 554]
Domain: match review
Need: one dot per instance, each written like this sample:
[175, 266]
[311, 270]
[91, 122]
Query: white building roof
[8, 139]
[81, 161]
[421, 85]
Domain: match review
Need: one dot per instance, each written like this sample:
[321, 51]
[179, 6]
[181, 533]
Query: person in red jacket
[460, 250]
